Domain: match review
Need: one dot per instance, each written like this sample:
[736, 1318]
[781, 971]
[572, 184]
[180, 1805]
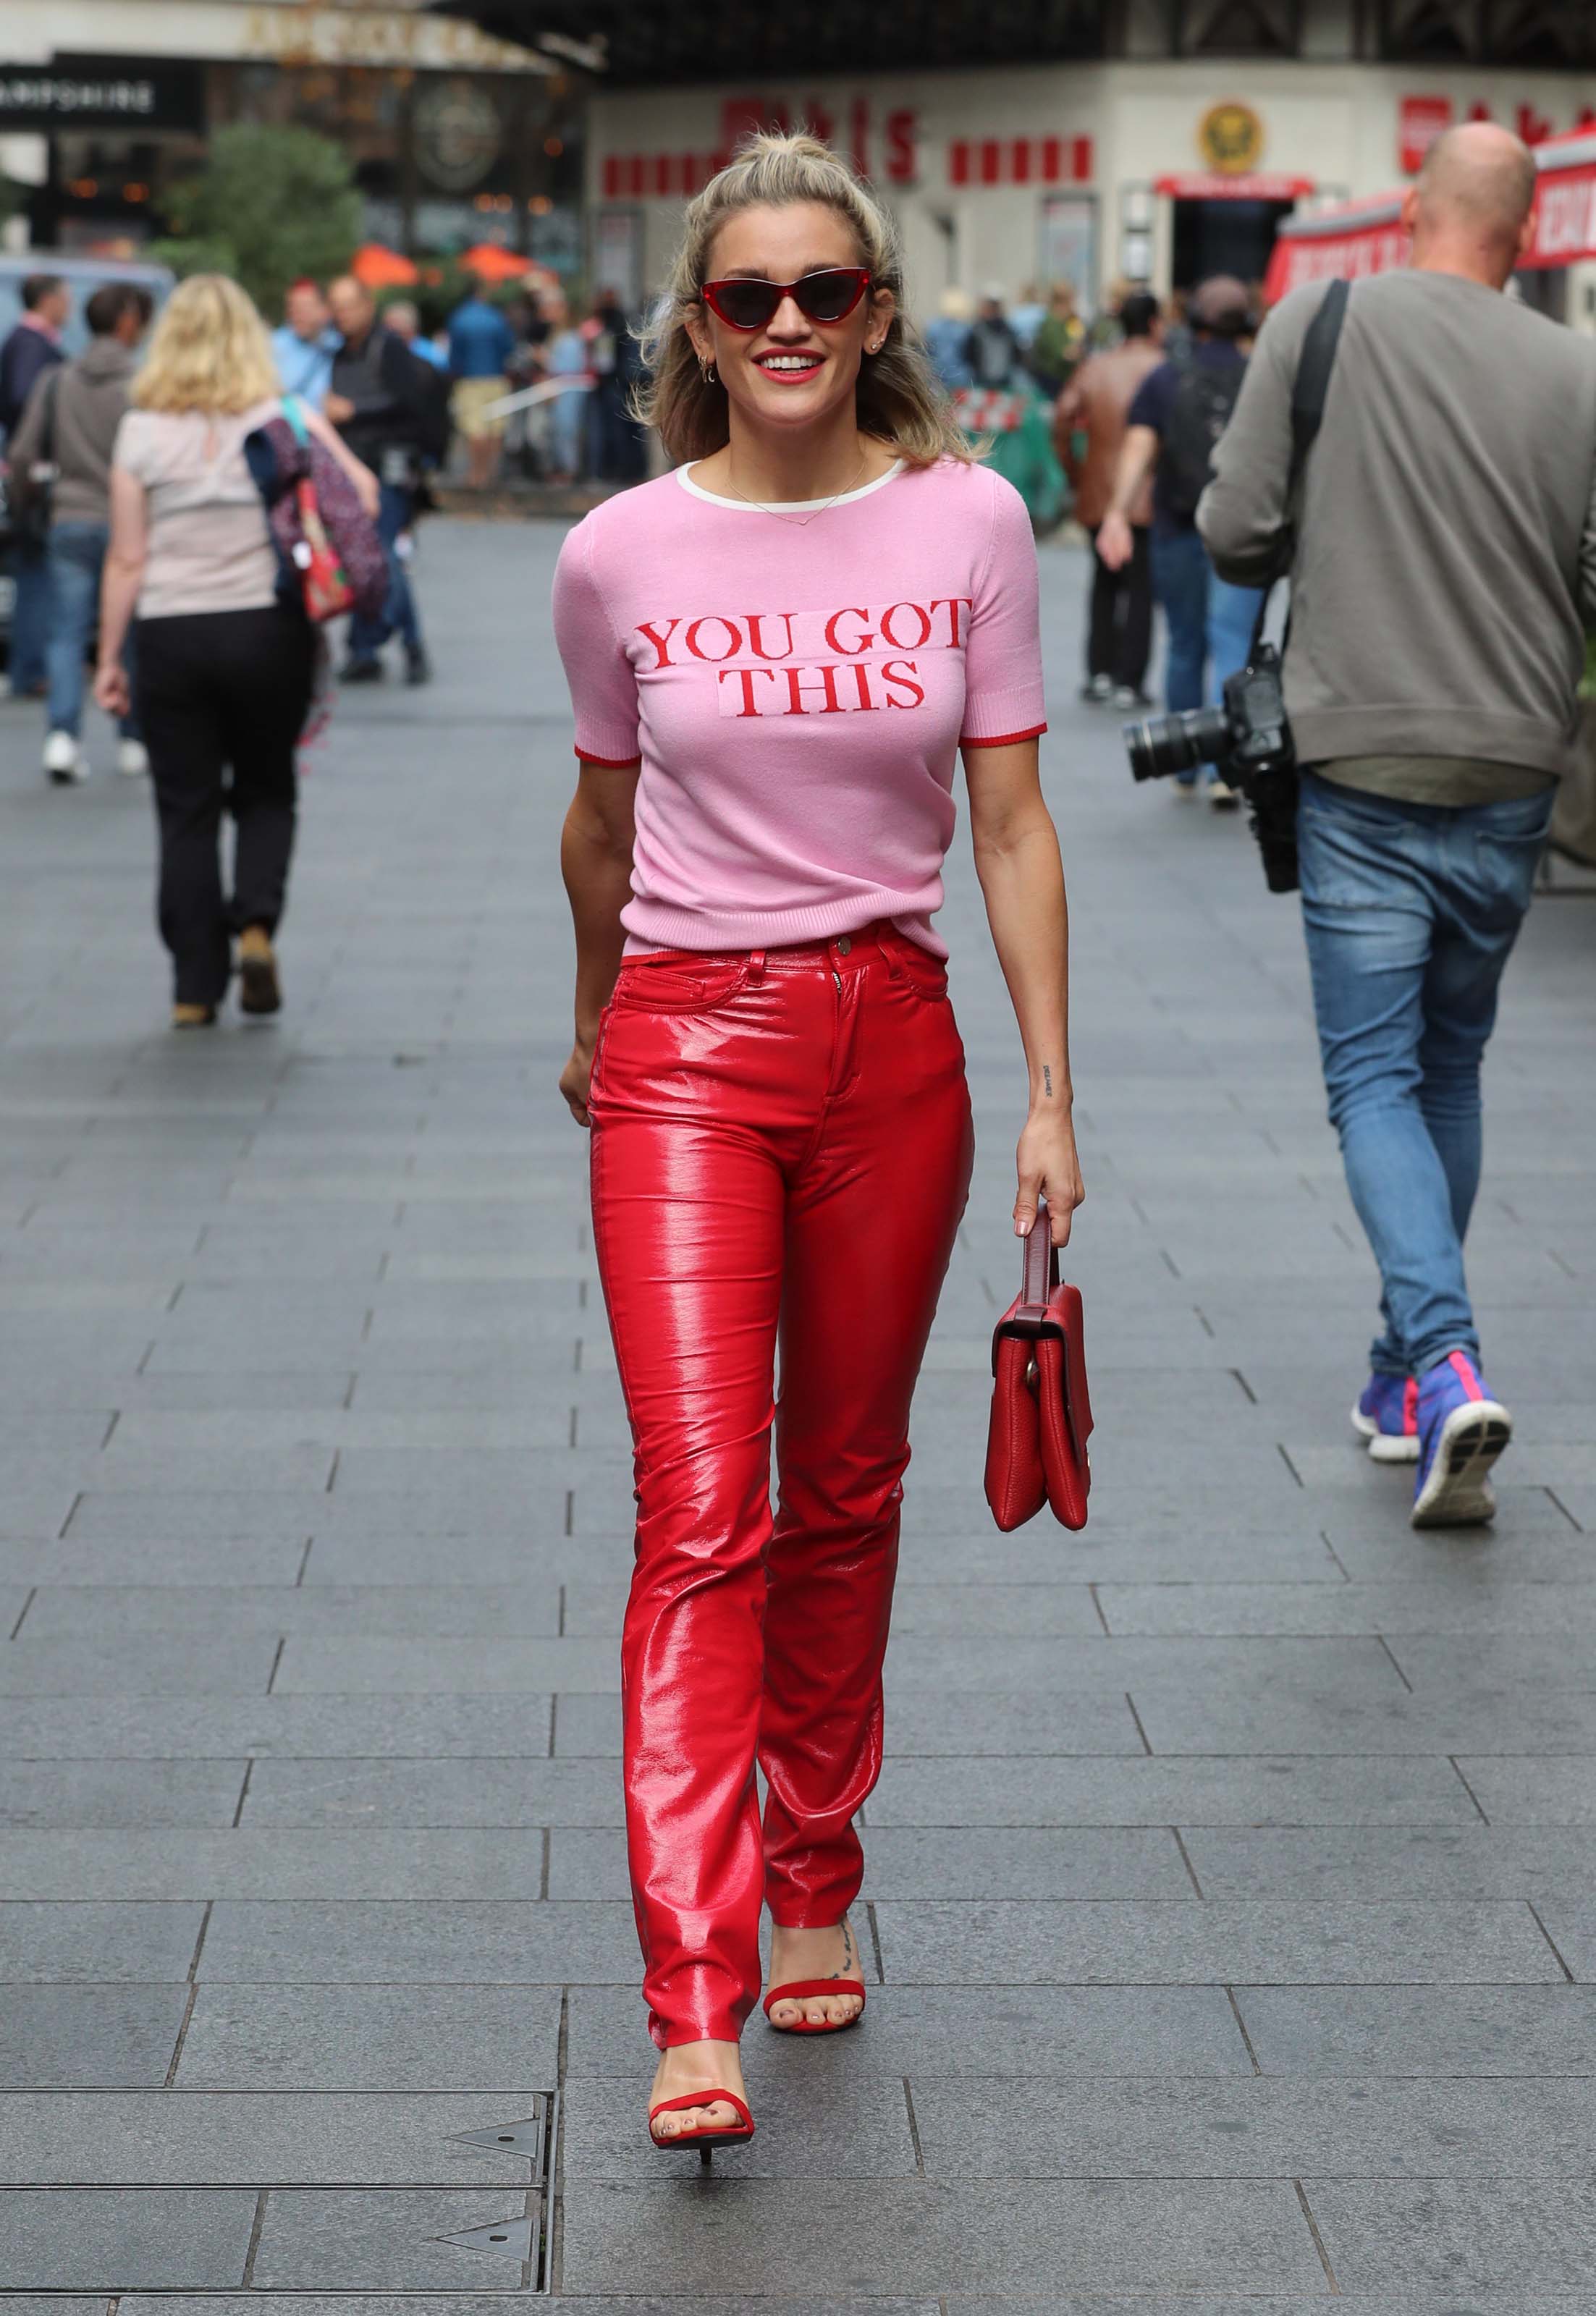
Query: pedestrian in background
[304, 342]
[1443, 570]
[947, 339]
[225, 651]
[1097, 405]
[403, 316]
[616, 447]
[377, 402]
[1053, 353]
[481, 350]
[32, 348]
[565, 355]
[992, 350]
[1180, 411]
[70, 426]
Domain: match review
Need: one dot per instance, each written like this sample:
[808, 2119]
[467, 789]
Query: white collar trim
[781, 506]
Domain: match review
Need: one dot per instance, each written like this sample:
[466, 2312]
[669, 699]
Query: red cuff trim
[1005, 739]
[609, 763]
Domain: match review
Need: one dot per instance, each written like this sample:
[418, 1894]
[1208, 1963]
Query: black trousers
[222, 692]
[1120, 632]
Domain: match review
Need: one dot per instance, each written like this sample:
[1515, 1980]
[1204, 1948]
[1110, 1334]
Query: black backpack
[1205, 394]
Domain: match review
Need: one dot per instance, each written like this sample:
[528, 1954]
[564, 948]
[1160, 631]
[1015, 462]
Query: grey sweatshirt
[1446, 556]
[90, 395]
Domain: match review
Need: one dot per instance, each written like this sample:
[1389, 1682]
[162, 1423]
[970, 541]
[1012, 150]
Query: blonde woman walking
[775, 656]
[225, 654]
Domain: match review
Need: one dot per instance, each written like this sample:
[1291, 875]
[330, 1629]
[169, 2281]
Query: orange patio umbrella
[493, 261]
[380, 268]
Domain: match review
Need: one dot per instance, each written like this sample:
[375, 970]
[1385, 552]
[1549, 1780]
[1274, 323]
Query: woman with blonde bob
[775, 654]
[225, 654]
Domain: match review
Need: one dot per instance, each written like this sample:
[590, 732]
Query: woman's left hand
[1048, 1167]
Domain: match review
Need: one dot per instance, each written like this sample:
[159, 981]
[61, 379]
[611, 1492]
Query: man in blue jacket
[33, 347]
[481, 343]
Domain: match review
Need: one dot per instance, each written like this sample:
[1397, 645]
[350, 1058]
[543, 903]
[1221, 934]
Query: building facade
[1151, 168]
[456, 136]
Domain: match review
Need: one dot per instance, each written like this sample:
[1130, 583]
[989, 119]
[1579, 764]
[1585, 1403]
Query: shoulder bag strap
[1310, 389]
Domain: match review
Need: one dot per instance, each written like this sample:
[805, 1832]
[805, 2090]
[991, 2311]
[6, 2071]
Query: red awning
[1566, 203]
[1344, 242]
[1205, 185]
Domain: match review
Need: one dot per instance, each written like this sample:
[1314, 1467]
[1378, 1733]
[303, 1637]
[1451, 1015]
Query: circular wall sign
[458, 134]
[1230, 139]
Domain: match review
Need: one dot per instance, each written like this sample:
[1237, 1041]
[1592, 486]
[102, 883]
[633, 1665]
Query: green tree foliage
[269, 205]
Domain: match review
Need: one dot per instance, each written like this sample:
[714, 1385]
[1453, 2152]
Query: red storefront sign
[1566, 203]
[1421, 121]
[1343, 243]
[1020, 161]
[1212, 185]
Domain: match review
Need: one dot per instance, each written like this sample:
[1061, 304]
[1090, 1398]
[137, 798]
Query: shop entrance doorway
[1224, 237]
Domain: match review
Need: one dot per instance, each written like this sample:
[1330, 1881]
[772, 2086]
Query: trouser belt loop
[756, 966]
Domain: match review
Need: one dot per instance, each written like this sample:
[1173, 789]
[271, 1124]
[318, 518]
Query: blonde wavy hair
[208, 350]
[898, 398]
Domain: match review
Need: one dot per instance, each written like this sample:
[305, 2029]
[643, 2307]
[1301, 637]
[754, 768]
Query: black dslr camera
[1249, 741]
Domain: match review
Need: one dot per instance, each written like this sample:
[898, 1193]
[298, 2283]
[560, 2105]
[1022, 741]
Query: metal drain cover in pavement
[515, 2238]
[527, 2236]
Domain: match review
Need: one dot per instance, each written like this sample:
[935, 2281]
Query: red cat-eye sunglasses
[826, 298]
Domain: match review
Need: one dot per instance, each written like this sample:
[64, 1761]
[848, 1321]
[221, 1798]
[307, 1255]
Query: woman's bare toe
[830, 1953]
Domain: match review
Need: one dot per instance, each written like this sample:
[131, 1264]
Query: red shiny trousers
[781, 1151]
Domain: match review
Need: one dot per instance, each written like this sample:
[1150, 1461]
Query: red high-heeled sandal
[796, 1989]
[707, 2137]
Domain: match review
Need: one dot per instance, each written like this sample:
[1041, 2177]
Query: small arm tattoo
[1047, 1081]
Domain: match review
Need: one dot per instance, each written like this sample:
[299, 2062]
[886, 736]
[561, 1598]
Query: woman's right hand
[111, 690]
[575, 1078]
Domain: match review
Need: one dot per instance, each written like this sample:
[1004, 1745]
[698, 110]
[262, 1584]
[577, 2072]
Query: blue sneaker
[1462, 1430]
[1387, 1417]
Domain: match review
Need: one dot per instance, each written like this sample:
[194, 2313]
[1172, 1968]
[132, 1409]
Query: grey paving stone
[1569, 1914]
[455, 1793]
[255, 2038]
[377, 2241]
[434, 1943]
[1517, 2236]
[1042, 2128]
[368, 1611]
[1443, 1862]
[204, 1728]
[1427, 1608]
[125, 1945]
[485, 1667]
[247, 2139]
[1383, 1789]
[107, 2038]
[972, 2029]
[129, 2240]
[1314, 1720]
[1524, 2031]
[148, 1666]
[118, 1792]
[1530, 1790]
[477, 2303]
[910, 1862]
[883, 2236]
[1415, 1944]
[83, 1563]
[269, 1862]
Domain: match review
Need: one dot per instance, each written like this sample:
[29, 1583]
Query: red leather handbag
[1042, 1414]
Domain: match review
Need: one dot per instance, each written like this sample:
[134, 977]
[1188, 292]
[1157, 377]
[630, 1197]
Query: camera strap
[1309, 391]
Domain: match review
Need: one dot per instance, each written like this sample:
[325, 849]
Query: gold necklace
[802, 522]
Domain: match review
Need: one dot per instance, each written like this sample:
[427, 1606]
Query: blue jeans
[1411, 911]
[73, 559]
[30, 619]
[399, 615]
[1210, 622]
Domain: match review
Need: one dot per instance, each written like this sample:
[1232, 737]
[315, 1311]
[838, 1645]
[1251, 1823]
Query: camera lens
[1161, 744]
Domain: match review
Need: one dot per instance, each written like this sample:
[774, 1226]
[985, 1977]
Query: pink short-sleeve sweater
[797, 691]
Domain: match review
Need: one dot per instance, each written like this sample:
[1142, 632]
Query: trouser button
[843, 946]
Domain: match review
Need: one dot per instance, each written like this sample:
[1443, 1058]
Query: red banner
[1345, 243]
[1565, 203]
[1209, 185]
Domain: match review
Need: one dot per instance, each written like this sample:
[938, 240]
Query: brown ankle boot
[258, 989]
[193, 1017]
